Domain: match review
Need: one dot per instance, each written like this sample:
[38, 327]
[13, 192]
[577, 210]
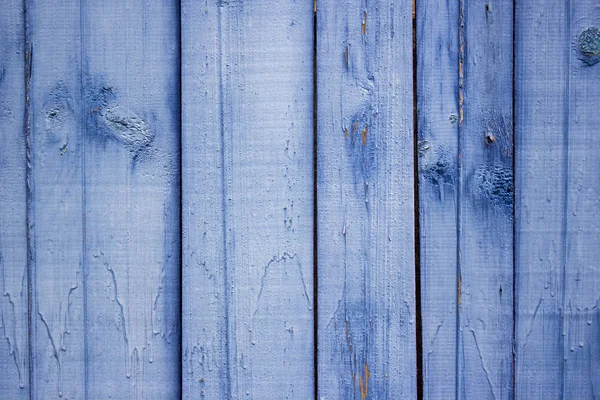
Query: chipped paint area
[126, 126]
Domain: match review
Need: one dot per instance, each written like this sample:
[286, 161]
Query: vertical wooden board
[205, 339]
[366, 327]
[248, 199]
[541, 67]
[486, 193]
[132, 157]
[14, 350]
[437, 110]
[581, 301]
[56, 202]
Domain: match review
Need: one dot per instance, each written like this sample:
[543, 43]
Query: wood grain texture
[486, 193]
[581, 294]
[105, 199]
[14, 349]
[558, 315]
[132, 198]
[437, 109]
[56, 228]
[248, 199]
[366, 327]
[541, 131]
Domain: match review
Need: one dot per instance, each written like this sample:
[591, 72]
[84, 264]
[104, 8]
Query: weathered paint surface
[437, 151]
[581, 301]
[465, 150]
[485, 202]
[248, 199]
[132, 199]
[541, 134]
[366, 271]
[558, 230]
[104, 206]
[14, 353]
[91, 203]
[55, 179]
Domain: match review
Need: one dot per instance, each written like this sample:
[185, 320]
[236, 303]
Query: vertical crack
[514, 202]
[28, 53]
[461, 57]
[565, 221]
[180, 278]
[84, 270]
[419, 338]
[315, 215]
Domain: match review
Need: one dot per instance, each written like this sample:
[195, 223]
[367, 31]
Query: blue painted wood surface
[56, 212]
[558, 280]
[437, 150]
[485, 200]
[465, 149]
[104, 200]
[581, 301]
[366, 257]
[248, 199]
[132, 264]
[14, 349]
[162, 154]
[541, 132]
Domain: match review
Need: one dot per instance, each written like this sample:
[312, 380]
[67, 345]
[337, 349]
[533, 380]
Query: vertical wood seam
[226, 294]
[566, 196]
[84, 269]
[417, 225]
[28, 54]
[180, 278]
[315, 216]
[514, 200]
[461, 57]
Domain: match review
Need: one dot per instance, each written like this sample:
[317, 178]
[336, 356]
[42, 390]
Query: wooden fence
[271, 199]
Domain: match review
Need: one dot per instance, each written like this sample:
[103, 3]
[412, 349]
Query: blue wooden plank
[14, 350]
[557, 227]
[56, 203]
[204, 334]
[437, 110]
[486, 192]
[581, 294]
[132, 198]
[366, 327]
[205, 339]
[542, 51]
[248, 199]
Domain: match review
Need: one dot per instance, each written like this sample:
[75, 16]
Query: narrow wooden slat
[132, 198]
[205, 337]
[366, 327]
[14, 350]
[56, 204]
[581, 294]
[437, 107]
[486, 192]
[541, 77]
[248, 199]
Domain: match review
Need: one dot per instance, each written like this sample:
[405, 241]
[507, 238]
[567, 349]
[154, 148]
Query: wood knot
[589, 42]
